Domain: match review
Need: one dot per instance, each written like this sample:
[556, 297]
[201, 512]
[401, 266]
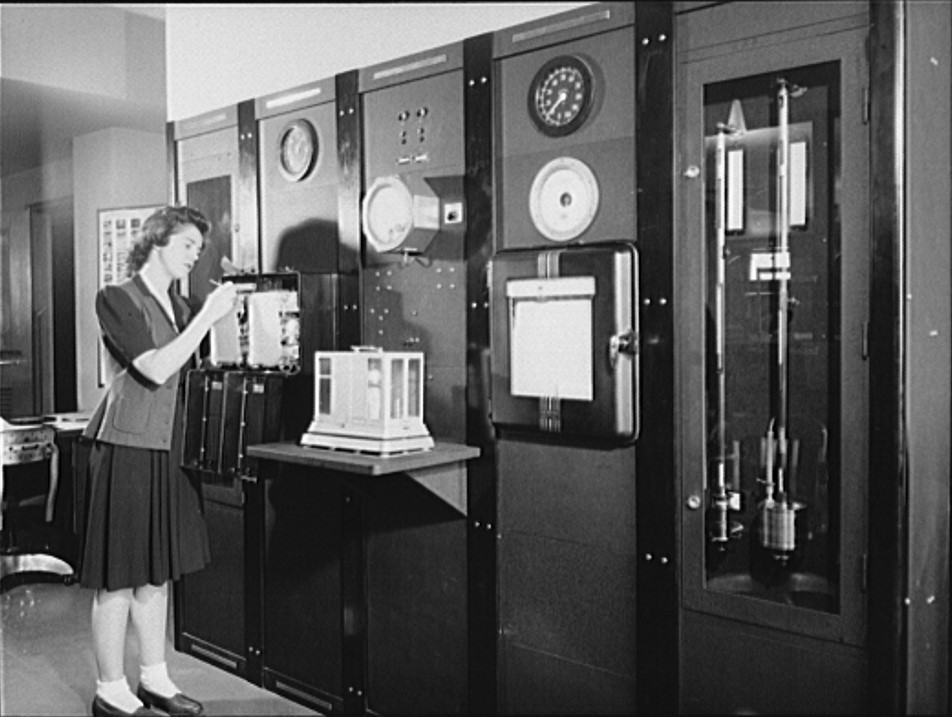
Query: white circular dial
[387, 213]
[298, 147]
[563, 200]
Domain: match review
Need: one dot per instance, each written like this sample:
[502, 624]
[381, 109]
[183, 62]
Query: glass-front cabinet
[773, 400]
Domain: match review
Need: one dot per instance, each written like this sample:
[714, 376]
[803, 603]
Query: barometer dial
[563, 199]
[561, 95]
[299, 150]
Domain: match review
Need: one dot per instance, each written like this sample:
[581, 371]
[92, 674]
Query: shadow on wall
[309, 247]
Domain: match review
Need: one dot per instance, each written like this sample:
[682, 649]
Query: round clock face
[298, 147]
[561, 94]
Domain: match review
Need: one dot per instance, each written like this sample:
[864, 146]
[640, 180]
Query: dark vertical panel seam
[248, 183]
[172, 166]
[657, 515]
[350, 180]
[353, 602]
[481, 483]
[888, 504]
[253, 525]
[171, 162]
[353, 549]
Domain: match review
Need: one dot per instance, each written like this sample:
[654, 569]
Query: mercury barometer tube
[777, 512]
[719, 525]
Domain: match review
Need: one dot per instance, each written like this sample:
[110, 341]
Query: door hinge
[865, 348]
[866, 108]
[864, 569]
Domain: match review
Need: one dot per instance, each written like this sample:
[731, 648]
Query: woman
[144, 523]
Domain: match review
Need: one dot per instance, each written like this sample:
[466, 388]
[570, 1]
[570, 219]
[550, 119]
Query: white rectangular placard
[550, 341]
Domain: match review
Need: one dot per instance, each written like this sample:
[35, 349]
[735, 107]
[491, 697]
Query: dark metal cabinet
[773, 411]
[415, 220]
[302, 589]
[582, 102]
[218, 609]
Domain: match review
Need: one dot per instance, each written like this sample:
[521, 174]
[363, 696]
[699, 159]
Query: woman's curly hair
[157, 229]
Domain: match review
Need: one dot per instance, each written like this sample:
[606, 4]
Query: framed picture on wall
[118, 230]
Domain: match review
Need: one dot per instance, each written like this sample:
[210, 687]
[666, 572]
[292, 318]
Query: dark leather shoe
[176, 705]
[101, 708]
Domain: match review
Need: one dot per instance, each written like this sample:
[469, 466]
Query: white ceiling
[38, 122]
[156, 10]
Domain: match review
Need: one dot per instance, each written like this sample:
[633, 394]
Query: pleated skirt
[144, 519]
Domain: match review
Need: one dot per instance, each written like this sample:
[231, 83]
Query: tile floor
[47, 666]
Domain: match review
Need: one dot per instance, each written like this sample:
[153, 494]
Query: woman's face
[180, 254]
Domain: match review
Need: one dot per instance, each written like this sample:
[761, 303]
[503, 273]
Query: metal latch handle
[625, 342]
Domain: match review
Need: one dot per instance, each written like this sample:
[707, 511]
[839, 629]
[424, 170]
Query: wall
[104, 60]
[215, 56]
[50, 182]
[218, 56]
[112, 168]
[90, 48]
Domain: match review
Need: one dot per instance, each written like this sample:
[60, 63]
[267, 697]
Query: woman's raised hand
[221, 301]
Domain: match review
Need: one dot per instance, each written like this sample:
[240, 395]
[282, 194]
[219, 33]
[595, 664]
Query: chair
[29, 479]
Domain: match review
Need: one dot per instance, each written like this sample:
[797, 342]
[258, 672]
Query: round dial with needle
[561, 94]
[298, 147]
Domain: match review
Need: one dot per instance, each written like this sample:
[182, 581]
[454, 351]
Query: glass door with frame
[774, 529]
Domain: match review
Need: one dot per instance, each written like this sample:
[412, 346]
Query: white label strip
[769, 266]
[564, 25]
[419, 64]
[292, 98]
[798, 184]
[735, 190]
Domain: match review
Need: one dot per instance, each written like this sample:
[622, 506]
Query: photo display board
[118, 230]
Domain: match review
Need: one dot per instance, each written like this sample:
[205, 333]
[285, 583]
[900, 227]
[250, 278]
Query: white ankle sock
[118, 694]
[156, 679]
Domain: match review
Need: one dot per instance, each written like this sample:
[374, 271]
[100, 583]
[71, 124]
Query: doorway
[53, 307]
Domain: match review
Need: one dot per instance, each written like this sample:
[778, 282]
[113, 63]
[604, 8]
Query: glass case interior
[772, 337]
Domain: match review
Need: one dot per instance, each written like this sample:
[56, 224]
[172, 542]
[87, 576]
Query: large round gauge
[387, 214]
[563, 199]
[299, 149]
[561, 94]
